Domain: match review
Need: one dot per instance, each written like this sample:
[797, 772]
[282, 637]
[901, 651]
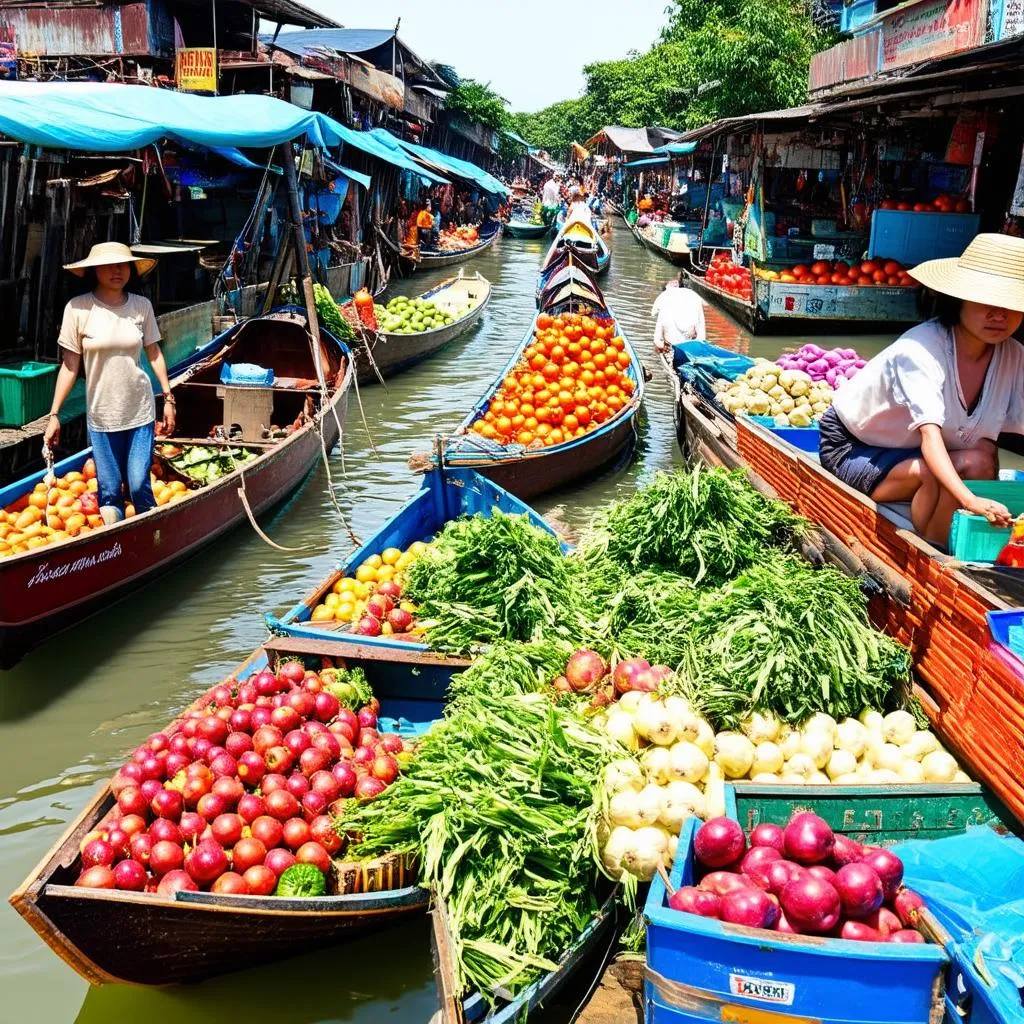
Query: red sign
[931, 28]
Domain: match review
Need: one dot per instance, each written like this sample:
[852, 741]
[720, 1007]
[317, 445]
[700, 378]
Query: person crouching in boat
[926, 413]
[107, 328]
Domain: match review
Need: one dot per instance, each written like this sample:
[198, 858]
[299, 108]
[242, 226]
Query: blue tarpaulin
[649, 161]
[449, 164]
[677, 148]
[105, 118]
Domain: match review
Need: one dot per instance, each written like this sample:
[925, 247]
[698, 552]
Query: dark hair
[947, 309]
[91, 282]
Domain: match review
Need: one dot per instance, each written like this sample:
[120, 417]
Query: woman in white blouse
[926, 413]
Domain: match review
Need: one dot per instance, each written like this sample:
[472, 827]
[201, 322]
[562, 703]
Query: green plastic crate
[871, 814]
[26, 391]
[972, 538]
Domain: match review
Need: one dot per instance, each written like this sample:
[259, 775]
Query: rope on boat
[252, 519]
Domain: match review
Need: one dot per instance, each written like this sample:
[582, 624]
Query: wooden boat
[446, 494]
[678, 249]
[472, 1008]
[526, 472]
[110, 935]
[584, 243]
[744, 313]
[525, 229]
[969, 686]
[433, 260]
[392, 353]
[47, 588]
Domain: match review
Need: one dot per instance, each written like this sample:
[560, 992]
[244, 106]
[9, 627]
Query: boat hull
[395, 353]
[521, 229]
[679, 259]
[744, 313]
[52, 588]
[932, 603]
[145, 939]
[435, 261]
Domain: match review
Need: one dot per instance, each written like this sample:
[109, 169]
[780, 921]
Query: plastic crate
[701, 969]
[880, 815]
[972, 538]
[1007, 629]
[912, 237]
[804, 438]
[246, 375]
[26, 391]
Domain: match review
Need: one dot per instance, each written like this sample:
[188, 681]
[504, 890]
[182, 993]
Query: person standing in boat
[107, 328]
[680, 314]
[550, 200]
[926, 413]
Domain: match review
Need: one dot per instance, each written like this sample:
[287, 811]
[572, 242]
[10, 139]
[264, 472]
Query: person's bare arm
[66, 377]
[936, 458]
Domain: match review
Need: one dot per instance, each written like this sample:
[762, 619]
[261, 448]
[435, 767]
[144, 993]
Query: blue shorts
[861, 466]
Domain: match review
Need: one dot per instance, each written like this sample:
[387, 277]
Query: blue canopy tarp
[649, 161]
[677, 148]
[100, 117]
[449, 164]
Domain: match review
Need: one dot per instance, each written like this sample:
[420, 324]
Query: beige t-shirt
[118, 391]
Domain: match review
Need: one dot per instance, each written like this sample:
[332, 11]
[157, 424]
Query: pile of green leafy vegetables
[330, 316]
[498, 808]
[209, 463]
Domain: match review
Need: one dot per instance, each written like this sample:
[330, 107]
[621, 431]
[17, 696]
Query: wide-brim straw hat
[104, 254]
[990, 271]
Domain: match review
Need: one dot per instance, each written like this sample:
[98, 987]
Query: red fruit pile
[802, 879]
[879, 272]
[728, 277]
[940, 204]
[240, 788]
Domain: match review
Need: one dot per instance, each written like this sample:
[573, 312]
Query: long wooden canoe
[435, 259]
[110, 935]
[744, 313]
[970, 688]
[446, 494]
[585, 244]
[48, 588]
[527, 472]
[680, 256]
[525, 229]
[392, 353]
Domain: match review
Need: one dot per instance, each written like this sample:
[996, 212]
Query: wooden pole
[301, 256]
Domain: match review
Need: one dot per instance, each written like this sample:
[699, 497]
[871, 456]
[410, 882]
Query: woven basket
[392, 871]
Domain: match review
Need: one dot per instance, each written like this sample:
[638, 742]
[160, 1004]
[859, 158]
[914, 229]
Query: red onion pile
[241, 788]
[802, 879]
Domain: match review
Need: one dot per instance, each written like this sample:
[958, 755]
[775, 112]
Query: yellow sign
[197, 69]
[748, 1015]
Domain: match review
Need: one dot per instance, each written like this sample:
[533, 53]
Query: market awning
[448, 164]
[649, 161]
[356, 176]
[677, 148]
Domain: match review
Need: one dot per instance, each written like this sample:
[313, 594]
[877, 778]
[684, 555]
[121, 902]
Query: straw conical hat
[106, 253]
[991, 270]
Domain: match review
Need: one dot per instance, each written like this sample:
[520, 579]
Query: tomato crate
[879, 815]
[26, 390]
[703, 969]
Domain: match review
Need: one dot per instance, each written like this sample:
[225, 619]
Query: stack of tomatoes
[728, 277]
[570, 379]
[940, 204]
[889, 273]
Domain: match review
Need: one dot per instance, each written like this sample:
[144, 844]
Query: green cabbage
[301, 880]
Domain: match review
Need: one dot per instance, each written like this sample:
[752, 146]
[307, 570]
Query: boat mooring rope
[256, 526]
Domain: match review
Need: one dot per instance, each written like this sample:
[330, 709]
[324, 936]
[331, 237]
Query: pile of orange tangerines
[570, 379]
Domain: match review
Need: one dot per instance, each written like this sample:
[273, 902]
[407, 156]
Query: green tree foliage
[715, 58]
[478, 102]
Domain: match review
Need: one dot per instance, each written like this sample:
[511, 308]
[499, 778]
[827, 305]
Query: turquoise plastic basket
[972, 538]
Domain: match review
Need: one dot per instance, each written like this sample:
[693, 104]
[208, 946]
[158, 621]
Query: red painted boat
[48, 588]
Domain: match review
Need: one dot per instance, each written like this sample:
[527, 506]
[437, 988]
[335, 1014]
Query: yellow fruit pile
[347, 599]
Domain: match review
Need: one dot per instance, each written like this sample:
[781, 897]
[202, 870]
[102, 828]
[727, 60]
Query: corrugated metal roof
[342, 40]
[727, 124]
[289, 12]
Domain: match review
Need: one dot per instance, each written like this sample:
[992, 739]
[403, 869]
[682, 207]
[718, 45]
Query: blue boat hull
[446, 494]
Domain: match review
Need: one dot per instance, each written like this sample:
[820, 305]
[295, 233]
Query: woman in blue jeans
[108, 327]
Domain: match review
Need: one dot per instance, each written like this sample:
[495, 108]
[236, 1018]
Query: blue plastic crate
[912, 237]
[246, 375]
[804, 438]
[972, 538]
[700, 969]
[1007, 629]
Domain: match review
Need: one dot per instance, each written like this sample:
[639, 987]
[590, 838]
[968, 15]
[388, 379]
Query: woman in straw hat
[108, 327]
[926, 413]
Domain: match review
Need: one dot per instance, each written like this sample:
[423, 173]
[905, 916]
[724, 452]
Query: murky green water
[70, 711]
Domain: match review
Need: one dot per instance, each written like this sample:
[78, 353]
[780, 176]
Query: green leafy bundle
[329, 314]
[791, 639]
[706, 524]
[496, 578]
[499, 808]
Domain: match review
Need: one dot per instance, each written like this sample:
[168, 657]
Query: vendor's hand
[169, 420]
[996, 513]
[51, 436]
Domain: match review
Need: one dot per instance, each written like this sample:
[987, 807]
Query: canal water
[72, 709]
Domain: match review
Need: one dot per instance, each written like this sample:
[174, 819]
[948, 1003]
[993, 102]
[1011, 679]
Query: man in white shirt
[550, 198]
[680, 314]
